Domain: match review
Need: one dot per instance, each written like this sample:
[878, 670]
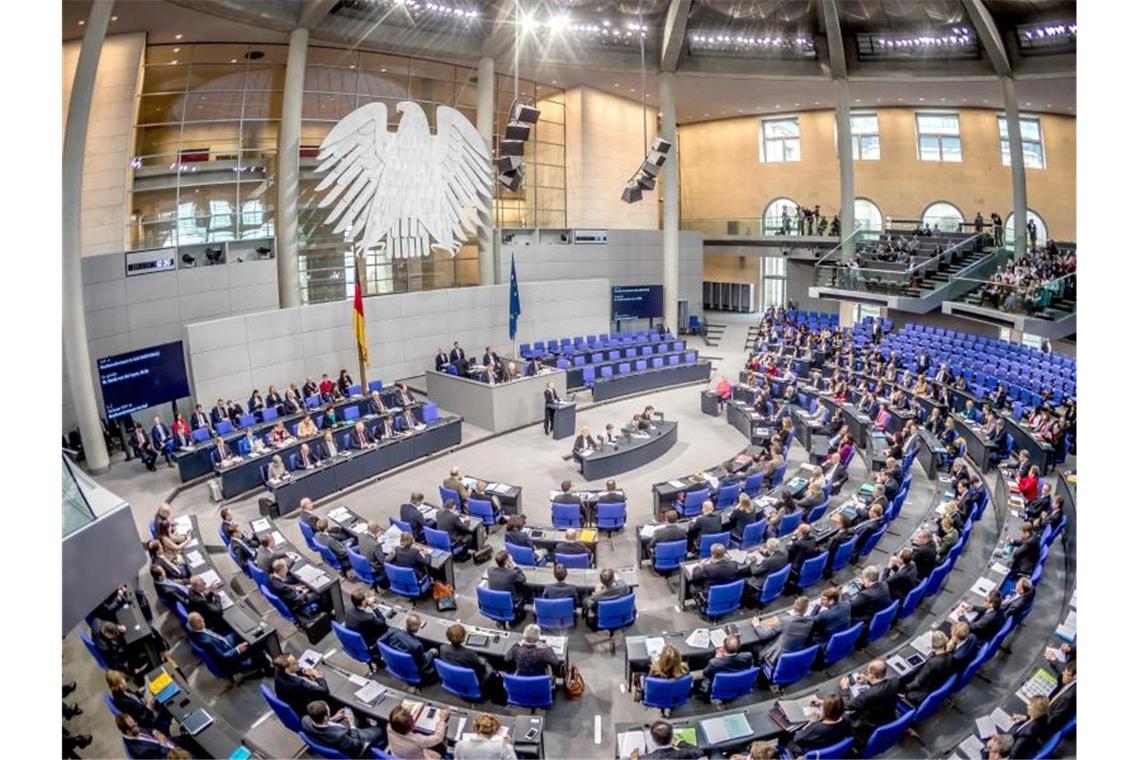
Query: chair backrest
[522, 555]
[617, 613]
[753, 534]
[812, 570]
[199, 434]
[724, 598]
[353, 643]
[403, 526]
[223, 427]
[667, 693]
[793, 666]
[437, 539]
[482, 508]
[284, 712]
[691, 505]
[881, 622]
[447, 493]
[327, 554]
[588, 375]
[362, 567]
[581, 560]
[727, 495]
[934, 700]
[554, 613]
[321, 749]
[841, 644]
[1050, 746]
[834, 752]
[728, 686]
[307, 534]
[817, 511]
[180, 612]
[404, 581]
[623, 368]
[497, 605]
[708, 539]
[872, 541]
[938, 577]
[611, 514]
[211, 664]
[400, 664]
[668, 555]
[246, 420]
[278, 605]
[532, 692]
[774, 584]
[913, 599]
[565, 515]
[460, 681]
[843, 553]
[886, 736]
[788, 523]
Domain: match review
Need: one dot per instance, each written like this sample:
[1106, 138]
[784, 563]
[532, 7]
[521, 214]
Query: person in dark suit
[834, 615]
[549, 396]
[240, 548]
[918, 683]
[267, 554]
[199, 419]
[875, 706]
[530, 657]
[455, 653]
[901, 575]
[560, 589]
[368, 546]
[296, 596]
[339, 731]
[790, 633]
[1063, 699]
[1026, 551]
[220, 413]
[235, 412]
[868, 527]
[172, 563]
[714, 570]
[667, 533]
[1017, 602]
[297, 686]
[609, 587]
[831, 728]
[661, 747]
[142, 447]
[360, 438]
[407, 555]
[585, 443]
[135, 702]
[206, 602]
[310, 388]
[140, 743]
[873, 596]
[517, 535]
[774, 557]
[460, 534]
[740, 517]
[990, 615]
[327, 446]
[506, 577]
[229, 654]
[924, 554]
[571, 545]
[162, 440]
[407, 641]
[363, 618]
[169, 590]
[441, 360]
[323, 536]
[964, 645]
[310, 518]
[567, 496]
[1030, 731]
[410, 514]
[728, 659]
[708, 523]
[458, 357]
[492, 363]
[802, 547]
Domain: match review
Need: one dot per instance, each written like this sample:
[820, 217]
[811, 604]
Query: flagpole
[359, 263]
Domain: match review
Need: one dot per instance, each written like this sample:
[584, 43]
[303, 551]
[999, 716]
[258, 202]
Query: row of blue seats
[591, 342]
[941, 332]
[589, 376]
[612, 355]
[1063, 366]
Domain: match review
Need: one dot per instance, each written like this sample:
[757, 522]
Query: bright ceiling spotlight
[559, 22]
[528, 22]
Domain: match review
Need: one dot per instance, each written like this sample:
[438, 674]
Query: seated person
[360, 438]
[338, 731]
[963, 646]
[609, 586]
[773, 557]
[206, 602]
[901, 575]
[141, 743]
[518, 535]
[802, 547]
[873, 595]
[365, 618]
[455, 653]
[295, 596]
[728, 659]
[229, 654]
[1026, 551]
[834, 615]
[297, 686]
[666, 533]
[714, 570]
[571, 545]
[480, 493]
[330, 421]
[306, 428]
[407, 641]
[560, 589]
[661, 745]
[531, 657]
[1020, 600]
[918, 683]
[410, 513]
[740, 517]
[408, 555]
[708, 523]
[135, 702]
[789, 633]
[831, 728]
[405, 742]
[168, 590]
[485, 742]
[875, 706]
[567, 496]
[267, 554]
[459, 533]
[310, 518]
[328, 446]
[325, 538]
[585, 443]
[455, 483]
[276, 473]
[506, 577]
[923, 554]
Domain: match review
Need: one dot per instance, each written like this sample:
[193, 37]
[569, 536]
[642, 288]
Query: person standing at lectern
[550, 395]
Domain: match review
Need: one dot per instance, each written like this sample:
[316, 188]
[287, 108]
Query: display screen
[142, 379]
[637, 302]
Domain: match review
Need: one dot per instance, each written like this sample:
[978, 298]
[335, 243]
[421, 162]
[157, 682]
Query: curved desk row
[646, 380]
[614, 458]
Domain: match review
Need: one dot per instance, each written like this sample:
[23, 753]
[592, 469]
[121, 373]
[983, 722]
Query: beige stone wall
[722, 176]
[110, 140]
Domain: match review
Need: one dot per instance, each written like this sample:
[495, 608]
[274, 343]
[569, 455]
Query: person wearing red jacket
[1027, 485]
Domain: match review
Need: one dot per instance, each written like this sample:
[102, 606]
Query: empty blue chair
[557, 614]
[460, 681]
[788, 523]
[727, 495]
[817, 511]
[967, 674]
[729, 686]
[933, 702]
[497, 605]
[841, 644]
[484, 509]
[881, 622]
[913, 599]
[447, 493]
[223, 427]
[531, 692]
[674, 359]
[611, 515]
[752, 535]
[811, 571]
[657, 362]
[690, 505]
[199, 434]
[843, 554]
[938, 578]
[565, 515]
[597, 358]
[525, 555]
[437, 539]
[259, 576]
[588, 376]
[362, 568]
[774, 584]
[667, 693]
[640, 365]
[623, 368]
[353, 643]
[404, 581]
[724, 598]
[562, 364]
[351, 413]
[791, 666]
[284, 712]
[246, 420]
[668, 555]
[581, 560]
[709, 539]
[579, 361]
[1050, 746]
[313, 402]
[403, 526]
[615, 614]
[400, 664]
[375, 385]
[629, 354]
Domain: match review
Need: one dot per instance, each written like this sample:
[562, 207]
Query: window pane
[870, 147]
[775, 266]
[782, 128]
[928, 149]
[1005, 152]
[951, 149]
[791, 150]
[938, 124]
[773, 151]
[1034, 158]
[1003, 127]
[1030, 129]
[865, 124]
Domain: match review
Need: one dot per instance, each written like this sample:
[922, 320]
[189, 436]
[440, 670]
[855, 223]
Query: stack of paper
[1068, 629]
[699, 638]
[629, 741]
[724, 729]
[1000, 569]
[211, 578]
[983, 586]
[971, 747]
[183, 524]
[676, 484]
[1041, 684]
[310, 659]
[923, 643]
[260, 525]
[370, 693]
[654, 645]
[194, 559]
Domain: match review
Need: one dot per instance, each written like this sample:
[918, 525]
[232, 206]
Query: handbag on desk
[444, 596]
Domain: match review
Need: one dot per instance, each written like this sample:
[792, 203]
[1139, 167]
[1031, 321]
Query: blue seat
[531, 692]
[843, 554]
[565, 515]
[938, 578]
[321, 749]
[404, 581]
[752, 536]
[497, 605]
[729, 686]
[212, 665]
[351, 413]
[811, 571]
[913, 599]
[727, 495]
[872, 541]
[400, 664]
[198, 435]
[615, 614]
[623, 368]
[886, 736]
[881, 622]
[483, 508]
[447, 493]
[438, 539]
[611, 515]
[581, 560]
[327, 555]
[375, 385]
[690, 506]
[668, 555]
[834, 752]
[589, 374]
[403, 526]
[841, 644]
[667, 693]
[724, 598]
[278, 605]
[791, 666]
[246, 420]
[774, 584]
[557, 614]
[788, 523]
[353, 643]
[968, 673]
[93, 650]
[817, 511]
[307, 534]
[933, 701]
[223, 427]
[460, 681]
[181, 613]
[284, 712]
[1050, 745]
[525, 555]
[709, 539]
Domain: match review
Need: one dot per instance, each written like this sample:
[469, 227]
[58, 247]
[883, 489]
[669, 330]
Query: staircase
[713, 334]
[752, 337]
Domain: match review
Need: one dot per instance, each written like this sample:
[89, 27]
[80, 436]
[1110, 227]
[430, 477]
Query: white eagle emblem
[410, 189]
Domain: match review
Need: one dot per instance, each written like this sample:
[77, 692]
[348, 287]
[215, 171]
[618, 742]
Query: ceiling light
[943, 100]
[383, 71]
[817, 102]
[528, 22]
[177, 49]
[617, 84]
[795, 105]
[922, 100]
[178, 36]
[858, 100]
[114, 18]
[558, 23]
[82, 22]
[777, 105]
[233, 60]
[174, 62]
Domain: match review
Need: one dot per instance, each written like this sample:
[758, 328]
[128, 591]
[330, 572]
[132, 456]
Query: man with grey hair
[873, 595]
[455, 483]
[531, 657]
[609, 586]
[999, 747]
[773, 557]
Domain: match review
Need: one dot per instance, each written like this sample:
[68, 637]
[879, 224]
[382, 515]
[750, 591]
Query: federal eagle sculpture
[410, 190]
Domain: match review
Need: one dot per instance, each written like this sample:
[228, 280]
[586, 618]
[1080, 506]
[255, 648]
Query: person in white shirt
[483, 744]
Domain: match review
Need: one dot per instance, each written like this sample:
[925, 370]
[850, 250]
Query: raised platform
[629, 454]
[499, 407]
[624, 385]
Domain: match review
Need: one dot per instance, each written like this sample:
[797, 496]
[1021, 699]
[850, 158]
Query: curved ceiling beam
[835, 51]
[988, 33]
[673, 35]
[313, 12]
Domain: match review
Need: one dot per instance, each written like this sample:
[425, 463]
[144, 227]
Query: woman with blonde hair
[668, 664]
[484, 743]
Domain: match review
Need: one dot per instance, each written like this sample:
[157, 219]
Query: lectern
[564, 418]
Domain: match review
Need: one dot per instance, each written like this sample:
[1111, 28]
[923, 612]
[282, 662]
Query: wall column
[485, 123]
[846, 163]
[670, 218]
[289, 170]
[1016, 164]
[75, 349]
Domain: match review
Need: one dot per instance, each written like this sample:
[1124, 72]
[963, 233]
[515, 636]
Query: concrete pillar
[289, 170]
[485, 123]
[75, 350]
[846, 163]
[1016, 164]
[671, 213]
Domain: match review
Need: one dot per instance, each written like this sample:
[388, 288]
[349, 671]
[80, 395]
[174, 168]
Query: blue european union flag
[516, 305]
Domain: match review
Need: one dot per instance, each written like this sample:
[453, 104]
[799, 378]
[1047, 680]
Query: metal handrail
[916, 267]
[838, 246]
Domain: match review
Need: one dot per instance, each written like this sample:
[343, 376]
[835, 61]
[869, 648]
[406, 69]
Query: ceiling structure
[731, 57]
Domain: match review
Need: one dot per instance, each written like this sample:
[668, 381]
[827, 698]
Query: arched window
[774, 219]
[943, 217]
[1030, 214]
[867, 216]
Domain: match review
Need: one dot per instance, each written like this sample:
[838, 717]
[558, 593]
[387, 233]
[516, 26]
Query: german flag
[358, 319]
